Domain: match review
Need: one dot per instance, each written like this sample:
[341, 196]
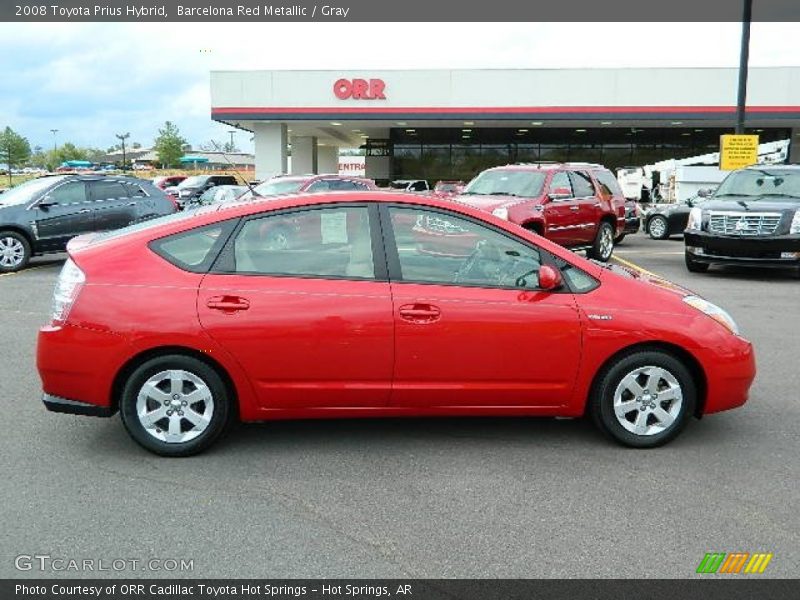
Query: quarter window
[435, 247]
[328, 243]
[193, 250]
[609, 185]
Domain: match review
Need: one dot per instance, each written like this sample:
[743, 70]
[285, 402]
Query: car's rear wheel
[693, 265]
[644, 399]
[15, 251]
[175, 405]
[603, 246]
[658, 228]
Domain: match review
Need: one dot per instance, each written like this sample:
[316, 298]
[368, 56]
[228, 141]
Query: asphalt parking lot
[414, 498]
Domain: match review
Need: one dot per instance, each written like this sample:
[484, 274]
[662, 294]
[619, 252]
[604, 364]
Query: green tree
[169, 145]
[14, 149]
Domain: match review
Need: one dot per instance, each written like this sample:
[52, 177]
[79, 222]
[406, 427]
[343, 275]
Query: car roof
[792, 167]
[550, 166]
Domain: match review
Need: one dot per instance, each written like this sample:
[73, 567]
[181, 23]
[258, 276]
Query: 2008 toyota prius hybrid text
[378, 304]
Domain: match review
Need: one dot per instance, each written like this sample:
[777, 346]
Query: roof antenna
[235, 170]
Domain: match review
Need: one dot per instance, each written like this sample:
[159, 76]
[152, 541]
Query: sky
[93, 80]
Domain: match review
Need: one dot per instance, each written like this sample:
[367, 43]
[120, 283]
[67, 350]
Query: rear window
[196, 249]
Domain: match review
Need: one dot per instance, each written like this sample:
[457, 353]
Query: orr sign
[359, 89]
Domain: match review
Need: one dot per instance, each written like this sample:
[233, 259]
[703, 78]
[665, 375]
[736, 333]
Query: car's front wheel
[644, 399]
[175, 405]
[603, 245]
[658, 228]
[15, 251]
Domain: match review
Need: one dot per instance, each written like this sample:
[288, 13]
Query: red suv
[187, 321]
[308, 184]
[577, 205]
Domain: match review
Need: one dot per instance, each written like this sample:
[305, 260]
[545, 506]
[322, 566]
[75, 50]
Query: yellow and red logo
[734, 563]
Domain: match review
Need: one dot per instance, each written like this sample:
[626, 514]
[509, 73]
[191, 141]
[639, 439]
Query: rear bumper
[767, 251]
[75, 407]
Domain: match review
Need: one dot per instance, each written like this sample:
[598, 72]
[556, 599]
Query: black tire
[601, 403]
[220, 402]
[664, 233]
[695, 266]
[600, 249]
[618, 239]
[18, 241]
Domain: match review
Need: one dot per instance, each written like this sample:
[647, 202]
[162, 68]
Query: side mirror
[560, 193]
[549, 278]
[705, 193]
[46, 203]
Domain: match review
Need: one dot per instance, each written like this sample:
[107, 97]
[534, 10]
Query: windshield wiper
[504, 194]
[736, 195]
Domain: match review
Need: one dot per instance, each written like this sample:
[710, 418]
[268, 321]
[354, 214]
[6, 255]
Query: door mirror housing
[549, 278]
[46, 202]
[705, 192]
[560, 193]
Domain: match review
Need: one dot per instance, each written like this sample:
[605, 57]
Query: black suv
[41, 215]
[752, 219]
[191, 188]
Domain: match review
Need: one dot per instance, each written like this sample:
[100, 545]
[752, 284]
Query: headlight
[501, 212]
[795, 226]
[695, 219]
[713, 311]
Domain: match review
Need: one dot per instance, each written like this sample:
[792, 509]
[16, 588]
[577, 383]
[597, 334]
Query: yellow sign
[737, 151]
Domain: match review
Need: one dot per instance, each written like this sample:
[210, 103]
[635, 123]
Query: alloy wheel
[648, 400]
[12, 252]
[657, 228]
[606, 243]
[174, 406]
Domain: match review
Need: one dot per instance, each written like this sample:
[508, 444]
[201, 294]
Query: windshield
[754, 183]
[195, 181]
[507, 182]
[274, 187]
[25, 192]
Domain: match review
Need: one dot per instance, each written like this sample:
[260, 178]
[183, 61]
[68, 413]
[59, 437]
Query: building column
[304, 155]
[379, 168]
[794, 146]
[270, 148]
[328, 159]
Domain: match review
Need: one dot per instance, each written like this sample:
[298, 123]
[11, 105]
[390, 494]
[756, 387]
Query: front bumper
[766, 251]
[75, 407]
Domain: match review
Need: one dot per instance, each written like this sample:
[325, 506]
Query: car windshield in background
[25, 192]
[753, 183]
[194, 181]
[279, 186]
[507, 182]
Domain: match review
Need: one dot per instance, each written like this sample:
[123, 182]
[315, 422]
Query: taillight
[68, 286]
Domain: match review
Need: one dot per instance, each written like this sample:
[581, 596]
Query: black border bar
[399, 11]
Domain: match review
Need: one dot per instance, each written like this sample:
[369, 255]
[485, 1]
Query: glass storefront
[453, 154]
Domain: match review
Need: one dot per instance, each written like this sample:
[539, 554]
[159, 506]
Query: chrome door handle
[84, 210]
[574, 208]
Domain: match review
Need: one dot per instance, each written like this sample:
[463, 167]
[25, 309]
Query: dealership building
[451, 124]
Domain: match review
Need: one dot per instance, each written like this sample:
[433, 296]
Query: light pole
[122, 137]
[55, 143]
[747, 14]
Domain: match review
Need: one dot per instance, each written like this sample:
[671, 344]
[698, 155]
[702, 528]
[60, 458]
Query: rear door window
[108, 190]
[582, 185]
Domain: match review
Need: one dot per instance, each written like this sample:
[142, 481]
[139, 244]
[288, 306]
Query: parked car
[306, 184]
[41, 215]
[353, 323]
[633, 220]
[752, 219]
[192, 187]
[221, 193]
[448, 188]
[410, 185]
[665, 220]
[165, 182]
[577, 205]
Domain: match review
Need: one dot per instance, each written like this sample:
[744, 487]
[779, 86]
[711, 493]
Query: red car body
[163, 183]
[298, 347]
[574, 218]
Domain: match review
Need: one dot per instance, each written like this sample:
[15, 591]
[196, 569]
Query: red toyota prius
[188, 321]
